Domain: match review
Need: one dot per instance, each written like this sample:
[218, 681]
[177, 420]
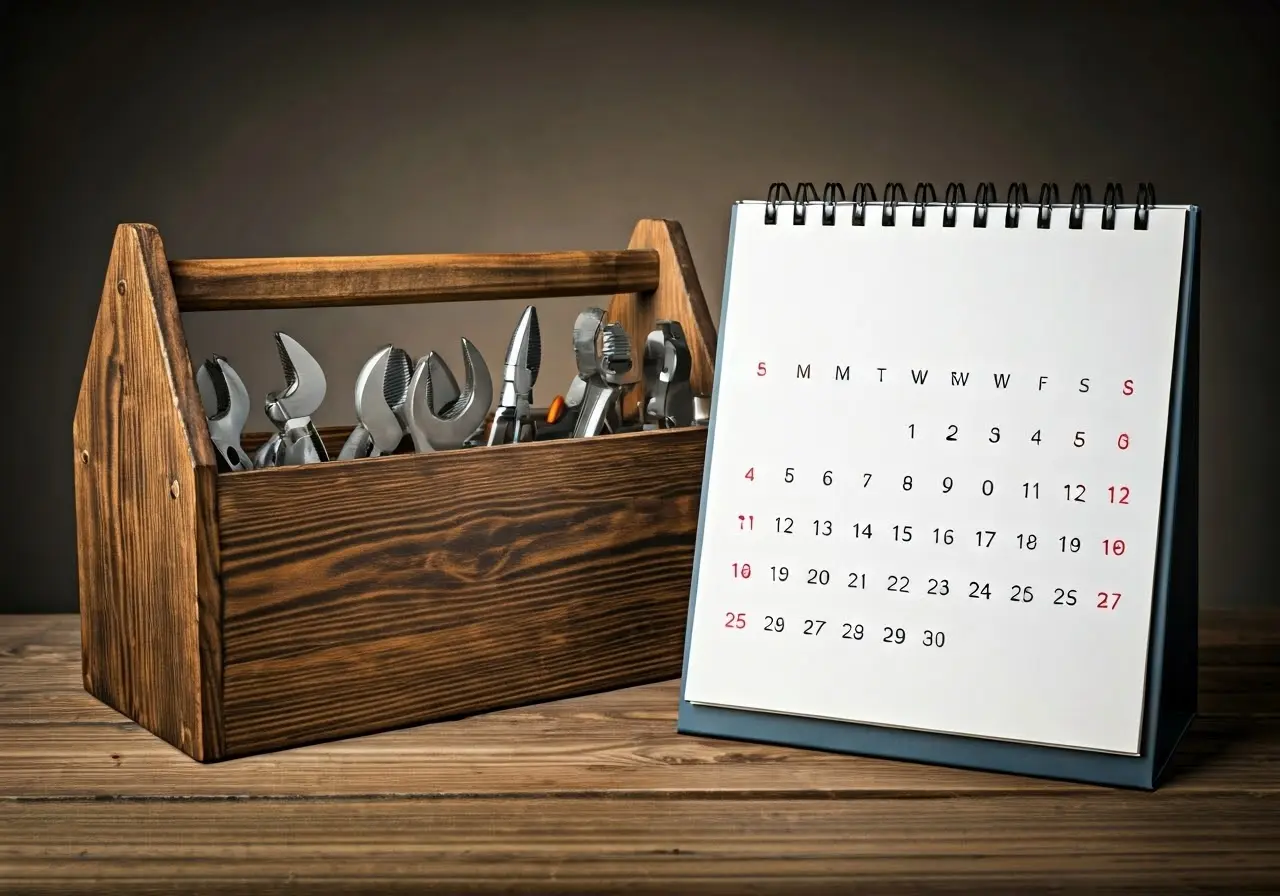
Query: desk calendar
[949, 508]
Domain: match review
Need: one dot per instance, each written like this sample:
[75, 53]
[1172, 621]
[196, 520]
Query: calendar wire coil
[926, 197]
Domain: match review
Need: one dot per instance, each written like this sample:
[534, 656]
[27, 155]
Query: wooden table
[599, 793]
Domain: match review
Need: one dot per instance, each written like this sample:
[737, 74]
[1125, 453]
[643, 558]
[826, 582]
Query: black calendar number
[1035, 437]
[1031, 490]
[947, 485]
[857, 580]
[906, 483]
[1074, 493]
[822, 527]
[1022, 594]
[1071, 545]
[779, 573]
[774, 623]
[819, 577]
[894, 635]
[939, 586]
[826, 478]
[813, 626]
[988, 487]
[863, 531]
[952, 432]
[995, 437]
[901, 533]
[1026, 542]
[944, 536]
[985, 537]
[1063, 597]
[866, 479]
[1078, 441]
[899, 584]
[789, 474]
[977, 590]
[852, 632]
[784, 524]
[933, 639]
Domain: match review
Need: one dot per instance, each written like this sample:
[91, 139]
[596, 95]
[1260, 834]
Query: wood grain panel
[56, 742]
[382, 592]
[1149, 843]
[220, 284]
[678, 296]
[144, 473]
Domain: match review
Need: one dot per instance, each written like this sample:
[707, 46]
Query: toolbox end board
[145, 475]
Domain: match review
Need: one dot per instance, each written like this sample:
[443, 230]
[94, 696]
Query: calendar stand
[1170, 689]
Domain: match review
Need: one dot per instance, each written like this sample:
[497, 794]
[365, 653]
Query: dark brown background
[372, 128]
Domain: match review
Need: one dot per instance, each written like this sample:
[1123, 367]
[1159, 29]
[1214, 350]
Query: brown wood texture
[598, 794]
[377, 593]
[146, 537]
[677, 296]
[215, 284]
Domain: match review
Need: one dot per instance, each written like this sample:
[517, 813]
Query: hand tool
[442, 427]
[667, 363]
[381, 389]
[701, 410]
[513, 421]
[603, 355]
[226, 407]
[290, 408]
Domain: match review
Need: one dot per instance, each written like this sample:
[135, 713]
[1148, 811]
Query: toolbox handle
[241, 284]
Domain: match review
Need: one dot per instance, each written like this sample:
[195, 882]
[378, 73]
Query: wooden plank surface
[144, 479]
[598, 793]
[240, 284]
[419, 587]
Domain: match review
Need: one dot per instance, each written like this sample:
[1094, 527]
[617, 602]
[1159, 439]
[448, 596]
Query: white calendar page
[935, 472]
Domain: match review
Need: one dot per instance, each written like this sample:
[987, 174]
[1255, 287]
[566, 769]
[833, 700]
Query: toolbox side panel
[144, 496]
[378, 593]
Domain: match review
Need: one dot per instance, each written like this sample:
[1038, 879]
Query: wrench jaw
[453, 425]
[226, 402]
[290, 408]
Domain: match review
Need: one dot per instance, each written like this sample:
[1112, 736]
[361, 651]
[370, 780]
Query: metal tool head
[305, 384]
[615, 354]
[577, 390]
[455, 424]
[524, 353]
[668, 364]
[444, 385]
[395, 382]
[586, 343]
[226, 407]
[373, 410]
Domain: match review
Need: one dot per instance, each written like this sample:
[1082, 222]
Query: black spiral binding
[864, 194]
[953, 197]
[889, 211]
[829, 201]
[924, 195]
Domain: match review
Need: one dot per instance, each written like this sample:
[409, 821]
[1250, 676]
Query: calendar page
[934, 481]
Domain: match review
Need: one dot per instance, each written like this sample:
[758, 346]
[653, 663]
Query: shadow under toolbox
[501, 580]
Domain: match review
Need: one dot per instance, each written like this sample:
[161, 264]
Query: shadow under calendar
[967, 534]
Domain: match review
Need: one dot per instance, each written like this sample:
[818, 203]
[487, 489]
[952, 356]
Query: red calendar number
[1127, 388]
[1123, 442]
[1108, 601]
[761, 370]
[1113, 547]
[1119, 494]
[735, 620]
[742, 570]
[746, 521]
[751, 474]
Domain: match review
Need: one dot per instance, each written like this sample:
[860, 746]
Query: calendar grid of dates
[876, 563]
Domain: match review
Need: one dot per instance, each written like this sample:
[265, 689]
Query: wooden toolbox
[237, 613]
